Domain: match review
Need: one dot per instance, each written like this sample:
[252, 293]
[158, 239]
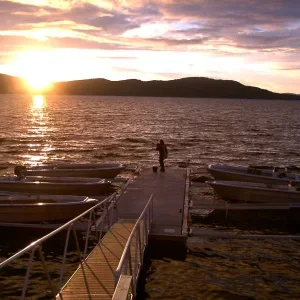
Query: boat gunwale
[34, 183]
[244, 173]
[41, 204]
[73, 169]
[226, 183]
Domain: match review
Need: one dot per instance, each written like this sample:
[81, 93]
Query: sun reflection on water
[38, 132]
[38, 102]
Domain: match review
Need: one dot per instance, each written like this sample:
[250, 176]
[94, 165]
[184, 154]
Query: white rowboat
[253, 174]
[56, 185]
[18, 208]
[254, 192]
[72, 170]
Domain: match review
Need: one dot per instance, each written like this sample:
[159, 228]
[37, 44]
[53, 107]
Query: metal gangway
[126, 272]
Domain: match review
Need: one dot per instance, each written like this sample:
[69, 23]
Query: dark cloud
[261, 20]
[267, 41]
[14, 16]
[246, 10]
[20, 16]
[146, 13]
[109, 22]
[116, 24]
[11, 7]
[177, 42]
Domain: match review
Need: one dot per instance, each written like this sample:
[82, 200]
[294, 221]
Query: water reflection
[38, 102]
[38, 132]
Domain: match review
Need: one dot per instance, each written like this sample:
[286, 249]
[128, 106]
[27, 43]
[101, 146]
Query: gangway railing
[137, 242]
[107, 208]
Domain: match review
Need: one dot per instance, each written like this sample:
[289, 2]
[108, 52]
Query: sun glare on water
[38, 102]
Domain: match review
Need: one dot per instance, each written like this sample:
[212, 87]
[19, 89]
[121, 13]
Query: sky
[255, 42]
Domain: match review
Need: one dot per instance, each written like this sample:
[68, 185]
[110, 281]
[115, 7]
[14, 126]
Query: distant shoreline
[191, 87]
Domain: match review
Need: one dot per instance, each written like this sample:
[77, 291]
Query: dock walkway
[95, 277]
[169, 191]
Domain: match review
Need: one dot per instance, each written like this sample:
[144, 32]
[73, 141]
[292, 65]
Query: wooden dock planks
[94, 279]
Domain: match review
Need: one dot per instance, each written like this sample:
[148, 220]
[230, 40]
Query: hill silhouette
[12, 85]
[192, 87]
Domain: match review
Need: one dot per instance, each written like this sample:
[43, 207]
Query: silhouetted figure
[163, 154]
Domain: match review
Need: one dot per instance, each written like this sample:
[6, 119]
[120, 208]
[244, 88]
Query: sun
[37, 68]
[38, 83]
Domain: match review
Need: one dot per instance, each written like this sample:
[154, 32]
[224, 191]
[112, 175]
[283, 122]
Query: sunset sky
[254, 42]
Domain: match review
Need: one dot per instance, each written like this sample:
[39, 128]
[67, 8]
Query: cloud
[11, 7]
[260, 21]
[294, 68]
[248, 24]
[18, 16]
[116, 24]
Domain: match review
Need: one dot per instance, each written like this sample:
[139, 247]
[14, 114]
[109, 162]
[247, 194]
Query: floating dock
[170, 201]
[95, 277]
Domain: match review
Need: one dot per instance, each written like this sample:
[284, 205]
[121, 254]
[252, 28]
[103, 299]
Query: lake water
[197, 132]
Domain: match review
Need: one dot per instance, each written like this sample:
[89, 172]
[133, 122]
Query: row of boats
[256, 183]
[58, 192]
[53, 193]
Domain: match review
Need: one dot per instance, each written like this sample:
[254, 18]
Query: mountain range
[190, 87]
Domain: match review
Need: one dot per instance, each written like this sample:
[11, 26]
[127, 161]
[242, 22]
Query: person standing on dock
[163, 154]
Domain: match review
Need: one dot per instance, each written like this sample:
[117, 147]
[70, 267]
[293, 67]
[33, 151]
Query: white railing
[137, 242]
[107, 208]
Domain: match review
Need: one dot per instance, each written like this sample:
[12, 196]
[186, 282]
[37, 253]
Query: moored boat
[22, 208]
[56, 185]
[72, 170]
[253, 174]
[241, 191]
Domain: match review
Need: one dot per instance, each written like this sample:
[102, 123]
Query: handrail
[123, 288]
[54, 232]
[139, 243]
[132, 234]
[108, 207]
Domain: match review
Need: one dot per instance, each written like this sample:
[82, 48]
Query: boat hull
[240, 174]
[92, 173]
[33, 209]
[97, 170]
[56, 188]
[255, 193]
